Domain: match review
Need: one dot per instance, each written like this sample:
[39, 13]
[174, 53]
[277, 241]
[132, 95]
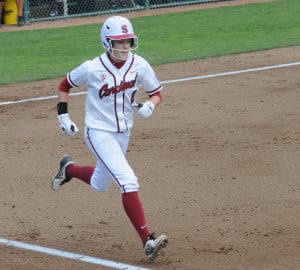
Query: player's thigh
[109, 149]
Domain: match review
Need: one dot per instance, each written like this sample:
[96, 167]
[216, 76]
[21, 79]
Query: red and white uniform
[112, 92]
[109, 112]
[112, 80]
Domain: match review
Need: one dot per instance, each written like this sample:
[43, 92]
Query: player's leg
[111, 150]
[111, 164]
[67, 170]
[110, 153]
[98, 177]
[101, 178]
[20, 18]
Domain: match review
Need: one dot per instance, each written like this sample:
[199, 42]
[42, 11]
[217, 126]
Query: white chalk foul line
[236, 72]
[70, 255]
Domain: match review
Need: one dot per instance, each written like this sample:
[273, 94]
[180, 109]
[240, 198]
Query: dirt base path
[218, 165]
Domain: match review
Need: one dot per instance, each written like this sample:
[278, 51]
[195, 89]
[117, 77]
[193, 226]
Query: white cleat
[154, 245]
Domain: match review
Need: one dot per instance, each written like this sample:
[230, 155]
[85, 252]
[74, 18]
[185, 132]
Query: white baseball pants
[110, 149]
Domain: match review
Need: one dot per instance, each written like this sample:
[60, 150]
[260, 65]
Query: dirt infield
[218, 164]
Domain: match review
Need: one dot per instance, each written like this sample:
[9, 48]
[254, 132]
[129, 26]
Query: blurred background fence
[43, 10]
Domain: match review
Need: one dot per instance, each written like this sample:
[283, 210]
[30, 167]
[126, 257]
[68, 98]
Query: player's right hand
[67, 126]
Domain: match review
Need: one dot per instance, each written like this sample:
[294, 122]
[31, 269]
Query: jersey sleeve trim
[70, 81]
[157, 94]
[153, 92]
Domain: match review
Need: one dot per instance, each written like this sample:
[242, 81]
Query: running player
[112, 80]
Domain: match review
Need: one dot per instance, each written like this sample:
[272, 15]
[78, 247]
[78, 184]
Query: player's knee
[130, 187]
[100, 189]
[102, 186]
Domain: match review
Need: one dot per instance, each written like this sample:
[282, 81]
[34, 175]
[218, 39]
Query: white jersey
[112, 92]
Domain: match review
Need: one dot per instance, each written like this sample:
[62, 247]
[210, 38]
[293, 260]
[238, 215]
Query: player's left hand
[146, 109]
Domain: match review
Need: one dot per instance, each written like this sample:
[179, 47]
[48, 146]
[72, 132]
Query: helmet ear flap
[107, 44]
[110, 42]
[131, 42]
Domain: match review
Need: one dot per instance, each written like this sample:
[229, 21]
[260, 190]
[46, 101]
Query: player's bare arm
[67, 126]
[63, 96]
[156, 99]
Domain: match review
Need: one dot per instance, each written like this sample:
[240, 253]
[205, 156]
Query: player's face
[121, 48]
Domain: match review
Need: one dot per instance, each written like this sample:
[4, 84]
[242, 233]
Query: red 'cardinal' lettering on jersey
[105, 91]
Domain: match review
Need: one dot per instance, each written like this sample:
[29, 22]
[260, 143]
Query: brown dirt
[218, 165]
[101, 18]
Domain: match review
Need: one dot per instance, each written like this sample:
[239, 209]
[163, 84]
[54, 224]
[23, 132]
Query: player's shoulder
[140, 60]
[93, 62]
[95, 59]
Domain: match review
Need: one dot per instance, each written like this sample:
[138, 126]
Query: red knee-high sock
[134, 210]
[84, 173]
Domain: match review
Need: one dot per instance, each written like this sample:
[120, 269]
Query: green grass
[43, 54]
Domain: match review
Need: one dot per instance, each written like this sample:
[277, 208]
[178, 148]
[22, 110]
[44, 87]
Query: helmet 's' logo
[124, 29]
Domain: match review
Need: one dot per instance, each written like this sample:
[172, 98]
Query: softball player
[113, 81]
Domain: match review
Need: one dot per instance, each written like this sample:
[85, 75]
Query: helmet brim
[125, 36]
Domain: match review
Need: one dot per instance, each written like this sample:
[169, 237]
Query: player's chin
[124, 55]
